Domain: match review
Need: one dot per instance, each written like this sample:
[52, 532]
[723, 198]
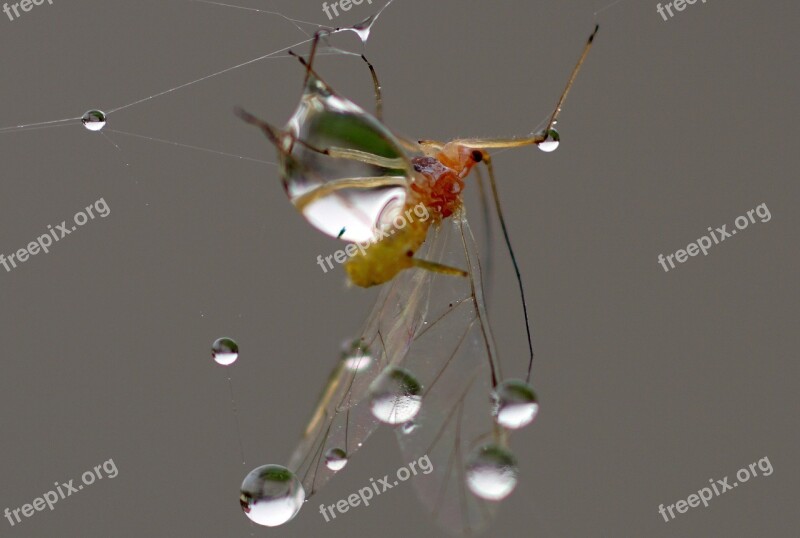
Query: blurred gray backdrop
[651, 383]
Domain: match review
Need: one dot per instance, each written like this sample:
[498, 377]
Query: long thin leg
[488, 161]
[502, 143]
[378, 95]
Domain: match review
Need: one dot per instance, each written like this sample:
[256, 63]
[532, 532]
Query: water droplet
[356, 356]
[409, 427]
[368, 153]
[364, 27]
[271, 495]
[336, 459]
[551, 142]
[514, 404]
[396, 396]
[492, 473]
[94, 120]
[225, 351]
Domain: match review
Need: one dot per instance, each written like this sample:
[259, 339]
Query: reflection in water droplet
[271, 495]
[356, 356]
[409, 427]
[225, 351]
[366, 163]
[514, 404]
[492, 473]
[396, 396]
[336, 459]
[94, 120]
[551, 142]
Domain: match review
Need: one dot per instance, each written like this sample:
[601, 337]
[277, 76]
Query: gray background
[651, 382]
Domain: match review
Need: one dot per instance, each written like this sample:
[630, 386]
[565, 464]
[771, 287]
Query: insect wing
[452, 355]
[342, 418]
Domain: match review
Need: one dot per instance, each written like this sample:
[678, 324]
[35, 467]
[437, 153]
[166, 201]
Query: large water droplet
[396, 396]
[336, 459]
[94, 120]
[355, 191]
[492, 473]
[514, 404]
[271, 495]
[551, 142]
[225, 351]
[356, 356]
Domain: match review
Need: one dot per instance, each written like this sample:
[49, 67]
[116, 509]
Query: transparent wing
[342, 419]
[452, 355]
[435, 327]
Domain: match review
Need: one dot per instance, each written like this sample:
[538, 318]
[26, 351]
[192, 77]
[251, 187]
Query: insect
[425, 360]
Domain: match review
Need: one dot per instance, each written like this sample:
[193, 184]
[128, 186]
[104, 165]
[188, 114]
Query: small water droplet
[356, 355]
[396, 396]
[271, 495]
[94, 120]
[551, 142]
[492, 473]
[409, 427]
[514, 404]
[364, 27]
[336, 459]
[224, 351]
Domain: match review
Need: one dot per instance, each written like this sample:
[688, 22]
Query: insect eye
[477, 156]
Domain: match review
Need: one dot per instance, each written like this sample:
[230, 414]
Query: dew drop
[336, 459]
[94, 120]
[271, 495]
[492, 473]
[356, 356]
[224, 351]
[364, 27]
[551, 142]
[514, 404]
[396, 396]
[354, 213]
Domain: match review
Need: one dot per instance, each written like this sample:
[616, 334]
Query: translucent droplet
[225, 351]
[409, 427]
[336, 459]
[271, 495]
[396, 396]
[342, 144]
[514, 404]
[551, 142]
[94, 120]
[492, 473]
[356, 356]
[364, 27]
